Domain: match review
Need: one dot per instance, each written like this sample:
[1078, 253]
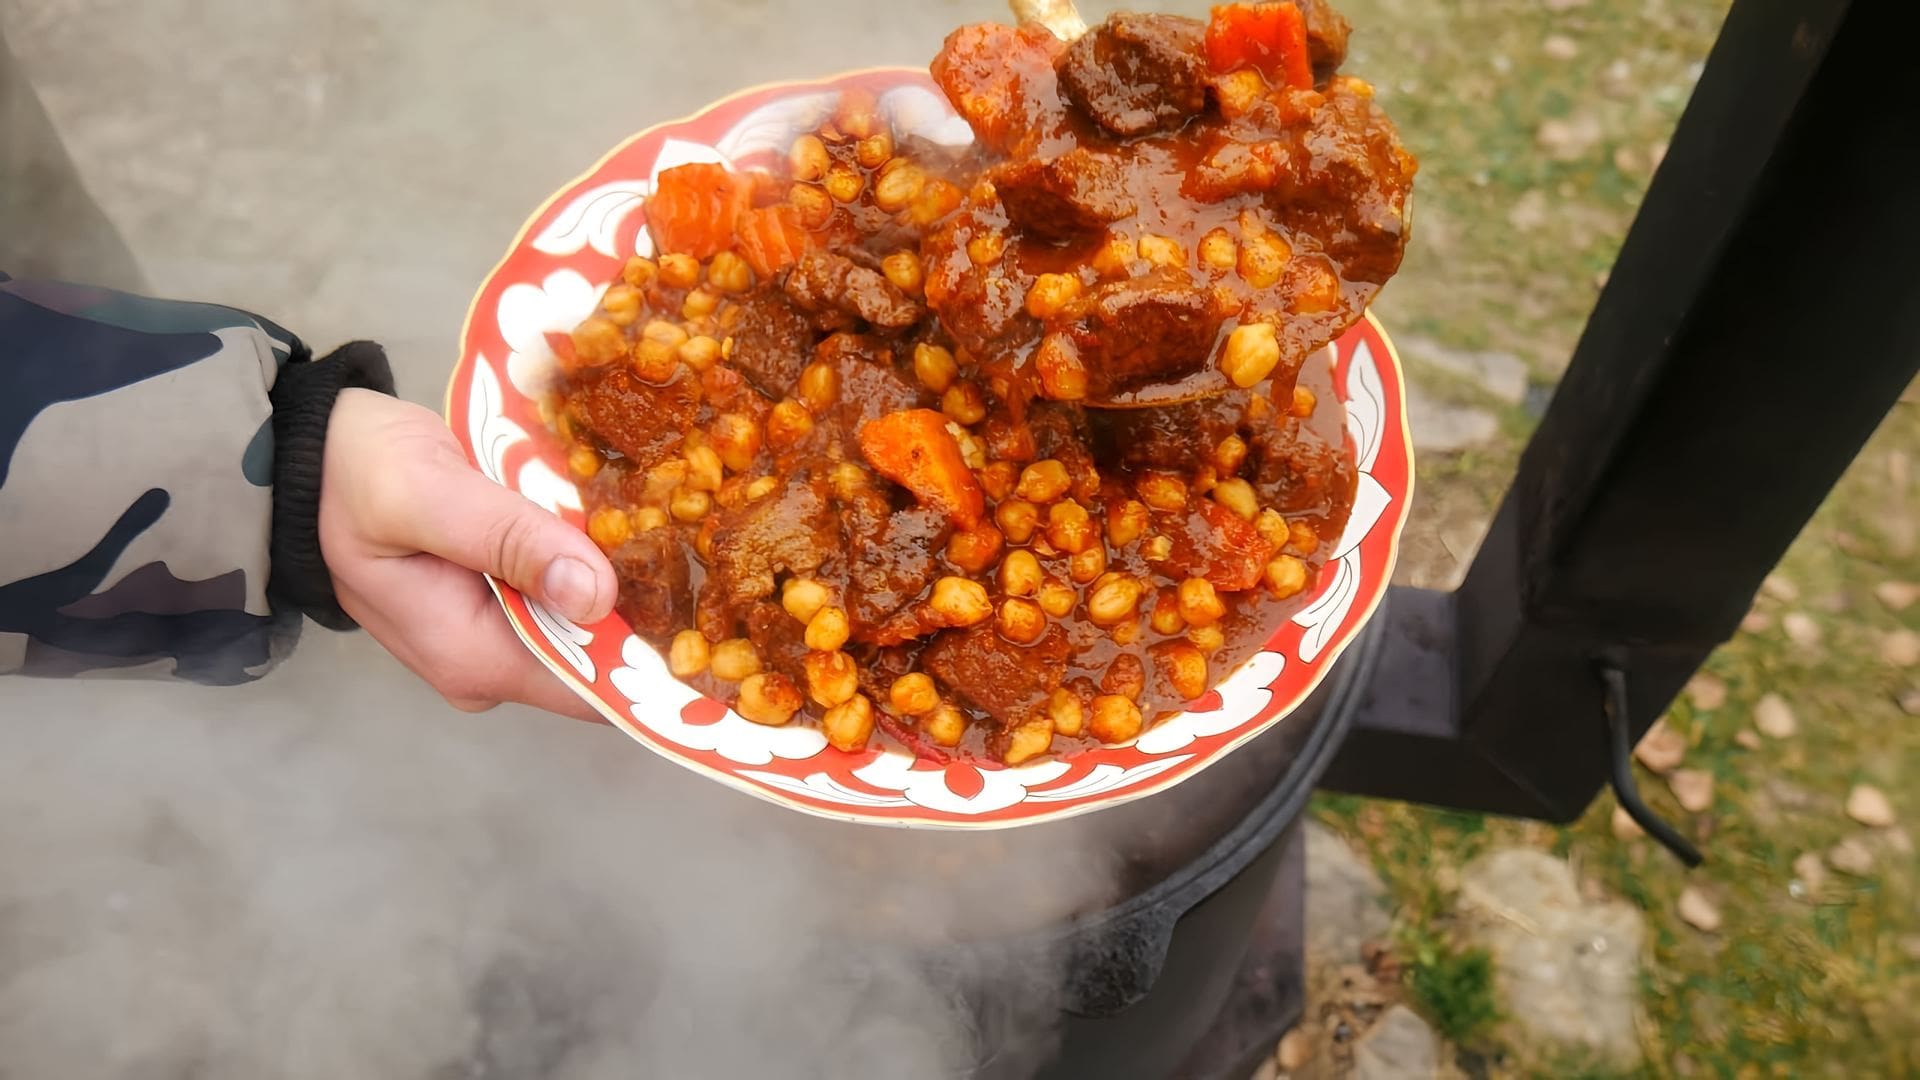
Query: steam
[320, 877]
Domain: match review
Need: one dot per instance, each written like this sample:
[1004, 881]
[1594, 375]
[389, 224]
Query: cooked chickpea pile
[822, 504]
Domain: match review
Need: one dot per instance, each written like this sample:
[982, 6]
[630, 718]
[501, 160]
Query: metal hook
[1624, 788]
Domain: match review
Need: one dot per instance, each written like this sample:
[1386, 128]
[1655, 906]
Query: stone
[1774, 717]
[1400, 1047]
[1810, 873]
[1851, 856]
[1346, 903]
[1559, 47]
[1780, 587]
[1693, 788]
[1268, 1070]
[1624, 827]
[1910, 701]
[1801, 629]
[1559, 6]
[1896, 595]
[1706, 691]
[1656, 153]
[1698, 911]
[1444, 428]
[1747, 738]
[1566, 969]
[1661, 749]
[1910, 944]
[1870, 806]
[1756, 622]
[1570, 138]
[1530, 211]
[1900, 648]
[1501, 374]
[1295, 1049]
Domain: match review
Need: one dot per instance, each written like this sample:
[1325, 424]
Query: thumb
[465, 518]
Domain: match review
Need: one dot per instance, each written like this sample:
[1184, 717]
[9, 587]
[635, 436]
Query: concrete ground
[330, 873]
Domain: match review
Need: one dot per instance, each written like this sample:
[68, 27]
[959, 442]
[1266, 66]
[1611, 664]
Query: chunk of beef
[1213, 542]
[793, 530]
[1137, 73]
[1004, 680]
[652, 571]
[892, 556]
[835, 290]
[1294, 470]
[1156, 328]
[780, 639]
[1001, 80]
[772, 340]
[870, 386]
[642, 422]
[1079, 192]
[1176, 437]
[1327, 33]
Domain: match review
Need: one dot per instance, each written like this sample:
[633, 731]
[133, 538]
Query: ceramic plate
[552, 277]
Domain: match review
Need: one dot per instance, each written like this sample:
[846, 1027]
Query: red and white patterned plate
[551, 279]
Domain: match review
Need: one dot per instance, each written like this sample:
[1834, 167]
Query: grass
[1515, 227]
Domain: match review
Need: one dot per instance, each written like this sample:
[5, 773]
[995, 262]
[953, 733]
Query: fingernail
[569, 587]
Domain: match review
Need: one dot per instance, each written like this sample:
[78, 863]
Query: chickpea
[690, 505]
[898, 185]
[736, 438]
[699, 304]
[828, 629]
[975, 549]
[811, 205]
[656, 354]
[1157, 549]
[1203, 480]
[848, 481]
[819, 387]
[608, 527]
[1229, 454]
[849, 724]
[1251, 353]
[638, 272]
[621, 303]
[598, 341]
[1200, 604]
[704, 470]
[1286, 576]
[1115, 719]
[808, 158]
[1065, 712]
[703, 540]
[647, 518]
[1162, 251]
[857, 115]
[1263, 259]
[986, 249]
[1087, 565]
[1162, 490]
[689, 654]
[1166, 618]
[788, 424]
[1184, 667]
[963, 403]
[1114, 597]
[1218, 251]
[934, 366]
[913, 694]
[998, 479]
[699, 353]
[1029, 739]
[1127, 523]
[583, 462]
[844, 183]
[663, 479]
[1069, 527]
[1313, 285]
[945, 725]
[679, 271]
[1017, 519]
[729, 273]
[935, 201]
[1021, 621]
[1043, 481]
[734, 659]
[761, 488]
[972, 451]
[1239, 91]
[905, 271]
[960, 602]
[1208, 639]
[1020, 574]
[1237, 496]
[832, 678]
[1115, 257]
[1063, 377]
[1051, 292]
[1272, 527]
[1304, 402]
[1057, 598]
[1302, 537]
[803, 598]
[768, 698]
[874, 150]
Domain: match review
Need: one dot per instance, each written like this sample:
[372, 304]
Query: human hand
[407, 527]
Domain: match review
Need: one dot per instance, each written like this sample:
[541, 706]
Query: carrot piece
[772, 239]
[1271, 38]
[914, 449]
[693, 210]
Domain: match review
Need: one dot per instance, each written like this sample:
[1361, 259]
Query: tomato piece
[772, 238]
[1271, 38]
[914, 449]
[693, 210]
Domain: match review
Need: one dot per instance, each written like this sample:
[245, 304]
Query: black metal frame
[1762, 318]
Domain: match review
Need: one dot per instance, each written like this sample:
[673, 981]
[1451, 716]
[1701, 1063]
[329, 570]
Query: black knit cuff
[303, 398]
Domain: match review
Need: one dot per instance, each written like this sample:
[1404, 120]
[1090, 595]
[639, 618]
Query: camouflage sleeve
[136, 499]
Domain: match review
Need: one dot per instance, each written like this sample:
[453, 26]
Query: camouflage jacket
[159, 461]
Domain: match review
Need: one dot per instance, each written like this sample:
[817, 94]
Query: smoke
[323, 876]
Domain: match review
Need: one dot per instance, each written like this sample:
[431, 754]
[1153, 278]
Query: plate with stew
[976, 446]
